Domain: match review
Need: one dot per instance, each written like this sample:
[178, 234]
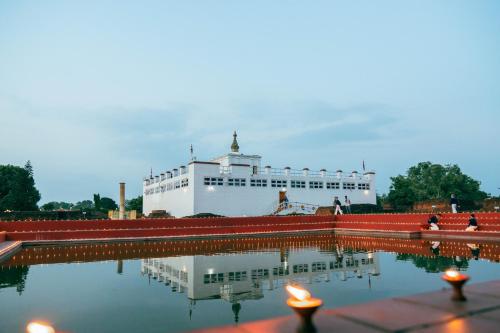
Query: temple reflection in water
[241, 276]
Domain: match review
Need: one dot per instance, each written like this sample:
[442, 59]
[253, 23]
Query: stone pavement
[9, 247]
[428, 312]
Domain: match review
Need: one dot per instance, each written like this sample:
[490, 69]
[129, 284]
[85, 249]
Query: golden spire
[235, 148]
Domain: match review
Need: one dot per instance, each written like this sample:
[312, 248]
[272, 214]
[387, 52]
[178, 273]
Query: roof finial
[235, 148]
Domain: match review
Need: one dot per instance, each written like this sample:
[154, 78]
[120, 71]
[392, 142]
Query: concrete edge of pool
[426, 312]
[9, 248]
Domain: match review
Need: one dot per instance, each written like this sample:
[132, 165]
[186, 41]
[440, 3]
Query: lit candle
[39, 327]
[301, 298]
[456, 280]
[453, 275]
[305, 306]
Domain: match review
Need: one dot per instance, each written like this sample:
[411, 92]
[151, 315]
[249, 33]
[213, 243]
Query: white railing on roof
[301, 173]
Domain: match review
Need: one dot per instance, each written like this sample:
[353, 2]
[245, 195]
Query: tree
[49, 206]
[134, 204]
[54, 205]
[28, 167]
[104, 204]
[84, 205]
[17, 188]
[97, 201]
[427, 181]
[108, 204]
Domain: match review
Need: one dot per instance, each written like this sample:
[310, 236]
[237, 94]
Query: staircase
[301, 208]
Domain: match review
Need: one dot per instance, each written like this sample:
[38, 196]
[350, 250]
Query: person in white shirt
[347, 205]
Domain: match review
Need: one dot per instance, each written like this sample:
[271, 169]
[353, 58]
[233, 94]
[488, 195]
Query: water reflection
[14, 277]
[232, 268]
[242, 278]
[435, 262]
[238, 277]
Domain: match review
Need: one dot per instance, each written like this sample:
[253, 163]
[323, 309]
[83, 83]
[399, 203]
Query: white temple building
[236, 184]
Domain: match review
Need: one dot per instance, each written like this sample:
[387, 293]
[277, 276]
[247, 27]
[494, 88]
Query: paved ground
[8, 247]
[428, 312]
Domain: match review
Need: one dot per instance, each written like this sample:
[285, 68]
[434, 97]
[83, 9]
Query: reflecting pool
[176, 286]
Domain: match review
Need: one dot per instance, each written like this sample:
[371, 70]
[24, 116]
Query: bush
[365, 209]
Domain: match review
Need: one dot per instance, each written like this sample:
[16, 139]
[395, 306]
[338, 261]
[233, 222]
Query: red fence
[90, 229]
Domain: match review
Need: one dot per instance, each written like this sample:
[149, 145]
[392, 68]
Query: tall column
[121, 215]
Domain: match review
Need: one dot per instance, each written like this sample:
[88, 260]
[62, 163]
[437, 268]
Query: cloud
[77, 152]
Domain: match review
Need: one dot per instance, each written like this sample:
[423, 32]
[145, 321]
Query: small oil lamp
[305, 306]
[457, 280]
[39, 327]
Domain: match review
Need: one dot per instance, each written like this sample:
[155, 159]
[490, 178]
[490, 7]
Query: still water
[176, 286]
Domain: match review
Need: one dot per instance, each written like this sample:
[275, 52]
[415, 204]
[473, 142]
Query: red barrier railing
[60, 230]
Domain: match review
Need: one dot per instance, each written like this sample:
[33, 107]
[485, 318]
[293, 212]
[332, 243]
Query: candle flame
[38, 327]
[298, 293]
[452, 273]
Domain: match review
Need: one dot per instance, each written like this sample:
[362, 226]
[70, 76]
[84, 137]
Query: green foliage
[17, 188]
[54, 205]
[29, 168]
[14, 277]
[84, 205]
[203, 215]
[97, 201]
[434, 264]
[104, 204]
[134, 204]
[108, 204]
[427, 181]
[365, 209]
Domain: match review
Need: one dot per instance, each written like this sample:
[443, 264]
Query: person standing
[347, 205]
[337, 204]
[454, 204]
[472, 223]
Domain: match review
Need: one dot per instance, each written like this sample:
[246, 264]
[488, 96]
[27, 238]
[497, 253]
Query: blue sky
[96, 92]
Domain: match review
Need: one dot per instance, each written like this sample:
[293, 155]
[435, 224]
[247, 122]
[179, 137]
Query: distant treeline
[423, 182]
[51, 215]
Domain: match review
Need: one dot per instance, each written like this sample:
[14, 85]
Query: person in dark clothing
[472, 223]
[453, 203]
[338, 206]
[475, 250]
[435, 248]
[433, 222]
